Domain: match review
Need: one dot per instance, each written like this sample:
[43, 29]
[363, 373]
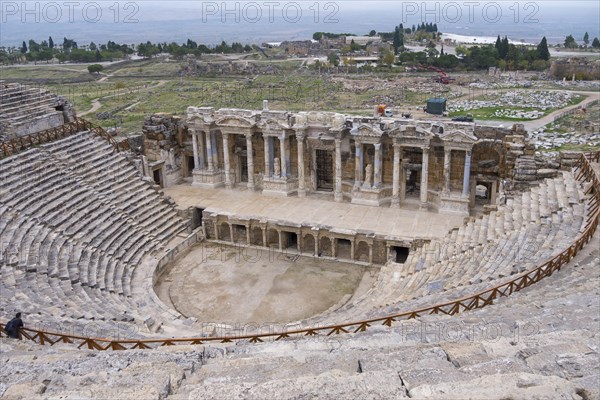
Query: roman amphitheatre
[265, 253]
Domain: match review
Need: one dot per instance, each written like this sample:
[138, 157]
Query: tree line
[69, 50]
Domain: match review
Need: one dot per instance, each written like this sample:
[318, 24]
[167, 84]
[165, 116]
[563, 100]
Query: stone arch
[343, 248]
[234, 121]
[308, 244]
[272, 238]
[488, 159]
[224, 232]
[325, 248]
[361, 253]
[256, 237]
[289, 240]
[380, 255]
[239, 233]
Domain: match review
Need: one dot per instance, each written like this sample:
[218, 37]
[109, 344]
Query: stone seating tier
[72, 242]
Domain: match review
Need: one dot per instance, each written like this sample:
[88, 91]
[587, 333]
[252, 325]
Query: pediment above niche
[459, 137]
[272, 125]
[199, 120]
[367, 131]
[411, 131]
[235, 122]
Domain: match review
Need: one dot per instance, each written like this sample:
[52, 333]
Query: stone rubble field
[539, 84]
[541, 101]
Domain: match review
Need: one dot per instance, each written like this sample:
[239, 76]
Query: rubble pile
[550, 140]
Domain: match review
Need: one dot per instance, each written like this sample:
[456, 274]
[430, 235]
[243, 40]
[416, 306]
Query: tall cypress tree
[397, 39]
[542, 49]
[504, 49]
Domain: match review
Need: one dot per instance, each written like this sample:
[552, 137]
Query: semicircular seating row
[76, 222]
[530, 228]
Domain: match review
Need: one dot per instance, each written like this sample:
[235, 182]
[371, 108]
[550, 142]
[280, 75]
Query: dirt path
[538, 123]
[95, 107]
[96, 104]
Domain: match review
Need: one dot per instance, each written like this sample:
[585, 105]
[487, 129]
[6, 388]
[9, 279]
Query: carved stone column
[396, 177]
[267, 157]
[424, 178]
[358, 169]
[283, 157]
[250, 159]
[338, 196]
[377, 174]
[215, 150]
[195, 149]
[209, 151]
[494, 192]
[402, 180]
[280, 237]
[447, 155]
[200, 140]
[467, 174]
[228, 184]
[301, 179]
[248, 238]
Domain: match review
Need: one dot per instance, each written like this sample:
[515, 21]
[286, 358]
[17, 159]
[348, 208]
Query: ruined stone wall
[580, 67]
[568, 159]
[162, 137]
[193, 67]
[491, 132]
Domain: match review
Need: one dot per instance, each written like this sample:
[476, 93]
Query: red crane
[443, 78]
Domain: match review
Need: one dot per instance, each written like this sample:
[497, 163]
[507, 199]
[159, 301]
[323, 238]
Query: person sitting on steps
[14, 326]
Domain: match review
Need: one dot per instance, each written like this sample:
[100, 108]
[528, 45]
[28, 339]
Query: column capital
[425, 149]
[248, 135]
[377, 145]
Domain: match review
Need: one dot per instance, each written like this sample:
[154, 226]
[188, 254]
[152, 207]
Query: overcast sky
[208, 22]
